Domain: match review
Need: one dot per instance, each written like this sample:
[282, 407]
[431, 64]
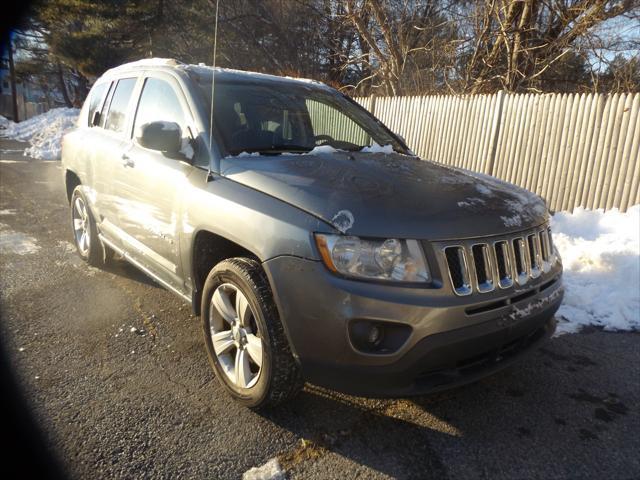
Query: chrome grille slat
[458, 268]
[552, 250]
[522, 263]
[545, 252]
[504, 265]
[482, 266]
[533, 248]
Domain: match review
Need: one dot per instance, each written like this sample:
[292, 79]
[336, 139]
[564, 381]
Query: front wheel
[246, 344]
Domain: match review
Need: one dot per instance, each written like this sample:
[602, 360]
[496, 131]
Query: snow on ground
[269, 471]
[16, 243]
[601, 258]
[4, 122]
[43, 131]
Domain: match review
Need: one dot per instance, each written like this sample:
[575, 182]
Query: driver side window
[328, 121]
[159, 102]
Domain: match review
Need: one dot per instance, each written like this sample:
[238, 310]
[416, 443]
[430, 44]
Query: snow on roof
[146, 62]
[204, 69]
[201, 68]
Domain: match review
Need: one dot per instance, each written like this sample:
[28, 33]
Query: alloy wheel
[235, 337]
[81, 227]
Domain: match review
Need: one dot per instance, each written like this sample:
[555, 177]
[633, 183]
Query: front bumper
[452, 340]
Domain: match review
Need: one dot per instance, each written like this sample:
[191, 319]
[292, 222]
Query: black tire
[279, 378]
[95, 253]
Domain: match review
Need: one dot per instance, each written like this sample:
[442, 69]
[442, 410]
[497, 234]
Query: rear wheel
[245, 340]
[85, 232]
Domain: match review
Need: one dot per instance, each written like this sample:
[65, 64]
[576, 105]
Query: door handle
[127, 162]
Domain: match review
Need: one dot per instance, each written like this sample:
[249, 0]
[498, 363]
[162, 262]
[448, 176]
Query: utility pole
[12, 75]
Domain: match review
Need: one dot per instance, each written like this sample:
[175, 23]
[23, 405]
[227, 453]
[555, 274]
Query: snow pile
[4, 122]
[601, 257]
[44, 132]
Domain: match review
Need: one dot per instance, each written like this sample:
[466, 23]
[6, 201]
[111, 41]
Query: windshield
[281, 117]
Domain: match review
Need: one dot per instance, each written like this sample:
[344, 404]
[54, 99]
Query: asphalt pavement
[115, 373]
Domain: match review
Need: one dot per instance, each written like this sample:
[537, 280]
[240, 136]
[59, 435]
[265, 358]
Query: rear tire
[251, 358]
[85, 232]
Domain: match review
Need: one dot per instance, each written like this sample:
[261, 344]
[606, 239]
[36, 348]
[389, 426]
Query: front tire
[244, 337]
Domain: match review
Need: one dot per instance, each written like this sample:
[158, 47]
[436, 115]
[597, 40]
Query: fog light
[374, 334]
[378, 337]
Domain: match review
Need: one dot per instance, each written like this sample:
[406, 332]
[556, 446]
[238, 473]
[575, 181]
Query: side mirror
[163, 136]
[95, 120]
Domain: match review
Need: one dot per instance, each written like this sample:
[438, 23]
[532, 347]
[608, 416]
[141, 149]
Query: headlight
[384, 259]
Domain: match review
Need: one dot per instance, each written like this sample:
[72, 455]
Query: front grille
[485, 265]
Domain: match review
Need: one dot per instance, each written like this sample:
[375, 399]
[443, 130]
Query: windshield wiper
[274, 149]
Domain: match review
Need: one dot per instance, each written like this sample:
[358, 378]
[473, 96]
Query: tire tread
[286, 380]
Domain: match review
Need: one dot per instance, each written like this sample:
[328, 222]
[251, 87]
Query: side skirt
[144, 269]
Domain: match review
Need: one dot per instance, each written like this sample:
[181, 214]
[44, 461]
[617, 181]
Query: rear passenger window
[116, 118]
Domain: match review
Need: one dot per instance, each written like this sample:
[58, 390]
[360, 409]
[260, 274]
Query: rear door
[91, 143]
[149, 183]
[109, 140]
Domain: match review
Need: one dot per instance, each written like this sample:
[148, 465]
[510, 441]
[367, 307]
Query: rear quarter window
[95, 100]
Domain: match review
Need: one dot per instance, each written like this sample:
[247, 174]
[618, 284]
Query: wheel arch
[71, 181]
[207, 250]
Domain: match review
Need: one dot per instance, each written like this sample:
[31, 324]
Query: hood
[390, 195]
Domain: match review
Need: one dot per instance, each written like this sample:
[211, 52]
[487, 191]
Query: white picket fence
[574, 150]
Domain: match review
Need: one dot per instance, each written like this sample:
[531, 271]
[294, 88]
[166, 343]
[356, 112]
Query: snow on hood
[375, 148]
[390, 194]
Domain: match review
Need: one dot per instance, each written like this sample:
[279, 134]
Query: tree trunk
[81, 90]
[63, 87]
[12, 73]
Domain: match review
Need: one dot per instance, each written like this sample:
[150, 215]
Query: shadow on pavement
[566, 410]
[122, 268]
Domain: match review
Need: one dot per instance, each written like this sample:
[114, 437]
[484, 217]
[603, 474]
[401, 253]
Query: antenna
[213, 81]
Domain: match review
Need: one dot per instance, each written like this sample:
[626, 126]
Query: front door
[149, 185]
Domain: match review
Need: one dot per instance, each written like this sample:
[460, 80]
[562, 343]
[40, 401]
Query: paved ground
[116, 403]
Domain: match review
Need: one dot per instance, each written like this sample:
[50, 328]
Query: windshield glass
[281, 117]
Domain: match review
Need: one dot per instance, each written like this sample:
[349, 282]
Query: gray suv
[314, 245]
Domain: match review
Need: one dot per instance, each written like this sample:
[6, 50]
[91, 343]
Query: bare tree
[514, 42]
[397, 38]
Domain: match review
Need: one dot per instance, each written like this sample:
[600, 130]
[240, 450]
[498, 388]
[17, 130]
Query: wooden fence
[26, 110]
[573, 150]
